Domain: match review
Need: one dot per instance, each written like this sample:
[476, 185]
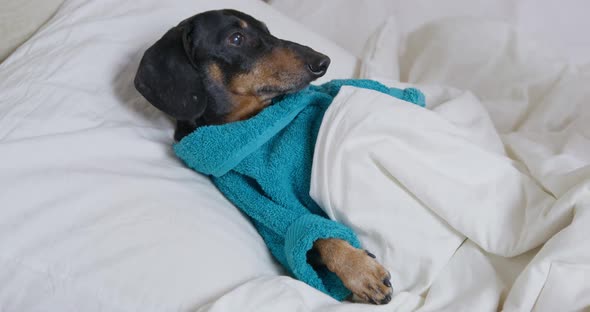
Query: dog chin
[304, 83]
[272, 92]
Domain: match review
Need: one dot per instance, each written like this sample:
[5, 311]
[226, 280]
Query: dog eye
[236, 39]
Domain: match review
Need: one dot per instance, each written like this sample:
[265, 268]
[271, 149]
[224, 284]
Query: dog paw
[358, 269]
[368, 280]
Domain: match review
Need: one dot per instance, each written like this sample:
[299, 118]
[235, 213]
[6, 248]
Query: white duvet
[480, 202]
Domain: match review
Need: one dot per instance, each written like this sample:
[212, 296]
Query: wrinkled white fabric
[478, 203]
[96, 212]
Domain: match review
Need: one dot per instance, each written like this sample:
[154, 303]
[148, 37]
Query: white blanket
[479, 203]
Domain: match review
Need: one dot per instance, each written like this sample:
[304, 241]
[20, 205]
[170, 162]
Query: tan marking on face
[280, 69]
[243, 24]
[360, 273]
[215, 73]
[245, 106]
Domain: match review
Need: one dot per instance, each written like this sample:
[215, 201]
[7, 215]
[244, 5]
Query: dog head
[222, 66]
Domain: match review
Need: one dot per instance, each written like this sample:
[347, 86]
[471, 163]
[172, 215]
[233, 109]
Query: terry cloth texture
[263, 166]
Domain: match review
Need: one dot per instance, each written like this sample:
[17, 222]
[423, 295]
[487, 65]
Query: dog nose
[319, 66]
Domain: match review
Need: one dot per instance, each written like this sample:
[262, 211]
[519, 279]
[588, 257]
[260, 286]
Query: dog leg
[368, 280]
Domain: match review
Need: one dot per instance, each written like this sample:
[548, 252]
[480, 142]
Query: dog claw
[387, 283]
[370, 254]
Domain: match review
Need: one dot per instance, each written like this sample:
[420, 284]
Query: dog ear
[168, 79]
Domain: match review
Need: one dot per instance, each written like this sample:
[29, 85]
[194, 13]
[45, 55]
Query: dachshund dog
[223, 66]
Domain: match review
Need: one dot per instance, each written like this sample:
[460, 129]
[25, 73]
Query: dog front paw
[358, 269]
[368, 280]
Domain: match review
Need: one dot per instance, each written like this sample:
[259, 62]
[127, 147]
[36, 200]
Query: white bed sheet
[559, 24]
[505, 165]
[96, 213]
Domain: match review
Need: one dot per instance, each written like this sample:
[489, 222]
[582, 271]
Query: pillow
[19, 19]
[97, 213]
[380, 57]
[561, 31]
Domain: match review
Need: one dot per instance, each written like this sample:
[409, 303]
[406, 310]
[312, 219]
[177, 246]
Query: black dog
[222, 66]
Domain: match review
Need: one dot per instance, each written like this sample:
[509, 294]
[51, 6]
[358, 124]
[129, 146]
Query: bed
[97, 214]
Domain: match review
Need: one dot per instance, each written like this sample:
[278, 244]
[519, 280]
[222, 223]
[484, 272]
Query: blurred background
[561, 24]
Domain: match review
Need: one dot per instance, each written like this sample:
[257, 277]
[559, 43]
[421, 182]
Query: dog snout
[318, 65]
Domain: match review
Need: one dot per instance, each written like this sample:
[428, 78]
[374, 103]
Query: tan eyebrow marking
[243, 24]
[215, 73]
